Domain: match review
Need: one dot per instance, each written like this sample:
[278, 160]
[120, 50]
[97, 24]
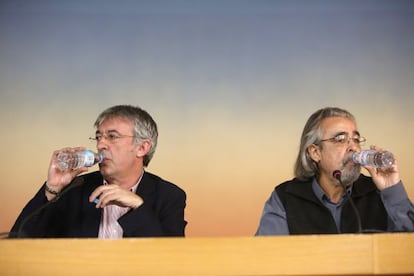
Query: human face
[120, 152]
[332, 154]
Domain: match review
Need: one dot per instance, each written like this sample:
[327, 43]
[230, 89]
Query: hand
[114, 194]
[58, 179]
[384, 177]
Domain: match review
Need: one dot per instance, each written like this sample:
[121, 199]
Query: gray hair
[145, 127]
[305, 167]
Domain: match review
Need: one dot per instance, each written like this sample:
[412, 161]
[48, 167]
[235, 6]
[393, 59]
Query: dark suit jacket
[72, 215]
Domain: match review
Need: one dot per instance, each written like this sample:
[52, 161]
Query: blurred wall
[230, 84]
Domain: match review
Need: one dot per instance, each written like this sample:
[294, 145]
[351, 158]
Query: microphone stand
[337, 174]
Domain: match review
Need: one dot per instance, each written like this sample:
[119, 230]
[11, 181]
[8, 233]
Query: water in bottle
[373, 158]
[75, 160]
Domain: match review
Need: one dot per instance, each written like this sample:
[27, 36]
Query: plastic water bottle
[378, 159]
[75, 160]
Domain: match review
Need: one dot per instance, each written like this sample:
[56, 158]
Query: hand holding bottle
[384, 176]
[57, 178]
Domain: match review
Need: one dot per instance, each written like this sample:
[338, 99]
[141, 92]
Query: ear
[143, 148]
[314, 153]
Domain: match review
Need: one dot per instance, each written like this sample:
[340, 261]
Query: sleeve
[32, 220]
[273, 220]
[399, 208]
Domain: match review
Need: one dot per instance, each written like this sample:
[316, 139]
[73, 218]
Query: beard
[350, 174]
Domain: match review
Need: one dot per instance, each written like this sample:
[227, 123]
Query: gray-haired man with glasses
[119, 200]
[329, 194]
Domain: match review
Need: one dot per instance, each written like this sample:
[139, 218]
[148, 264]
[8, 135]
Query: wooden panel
[287, 255]
[394, 254]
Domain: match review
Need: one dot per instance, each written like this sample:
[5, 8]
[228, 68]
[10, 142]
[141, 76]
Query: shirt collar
[133, 188]
[320, 193]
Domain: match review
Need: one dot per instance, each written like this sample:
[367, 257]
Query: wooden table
[354, 254]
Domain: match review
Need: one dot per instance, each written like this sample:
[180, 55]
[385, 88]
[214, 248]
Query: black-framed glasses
[111, 137]
[343, 138]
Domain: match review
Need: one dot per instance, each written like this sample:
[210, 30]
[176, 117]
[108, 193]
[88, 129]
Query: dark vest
[307, 215]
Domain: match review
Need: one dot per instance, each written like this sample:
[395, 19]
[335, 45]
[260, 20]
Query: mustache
[106, 154]
[347, 159]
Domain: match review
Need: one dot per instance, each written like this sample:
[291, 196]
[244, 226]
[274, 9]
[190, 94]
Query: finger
[96, 194]
[371, 170]
[72, 149]
[105, 198]
[78, 171]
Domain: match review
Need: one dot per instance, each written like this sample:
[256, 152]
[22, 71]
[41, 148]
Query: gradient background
[230, 84]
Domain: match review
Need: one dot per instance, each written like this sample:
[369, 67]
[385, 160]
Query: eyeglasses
[343, 138]
[111, 137]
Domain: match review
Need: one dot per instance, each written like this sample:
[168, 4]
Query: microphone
[75, 183]
[337, 174]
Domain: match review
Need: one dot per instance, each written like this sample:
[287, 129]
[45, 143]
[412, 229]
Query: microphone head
[337, 174]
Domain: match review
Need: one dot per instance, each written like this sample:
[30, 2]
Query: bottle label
[89, 160]
[363, 157]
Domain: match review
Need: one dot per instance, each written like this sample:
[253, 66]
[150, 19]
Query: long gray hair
[145, 127]
[305, 167]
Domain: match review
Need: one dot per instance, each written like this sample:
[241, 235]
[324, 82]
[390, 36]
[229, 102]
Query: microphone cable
[75, 183]
[337, 175]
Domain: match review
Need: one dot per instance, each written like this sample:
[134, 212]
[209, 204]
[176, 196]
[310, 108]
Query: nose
[101, 144]
[353, 145]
